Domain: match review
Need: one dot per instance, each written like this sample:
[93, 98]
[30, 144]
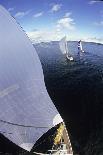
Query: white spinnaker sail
[62, 45]
[81, 48]
[64, 48]
[26, 110]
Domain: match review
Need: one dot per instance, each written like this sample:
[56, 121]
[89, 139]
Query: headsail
[26, 110]
[64, 48]
[80, 48]
[62, 45]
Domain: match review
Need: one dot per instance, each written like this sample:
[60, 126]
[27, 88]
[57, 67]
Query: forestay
[26, 110]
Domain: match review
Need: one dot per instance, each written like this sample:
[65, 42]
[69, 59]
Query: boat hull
[70, 58]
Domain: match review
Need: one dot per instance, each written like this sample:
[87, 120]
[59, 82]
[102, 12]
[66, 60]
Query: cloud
[38, 14]
[21, 14]
[59, 29]
[66, 22]
[94, 1]
[53, 35]
[10, 9]
[101, 13]
[67, 14]
[94, 39]
[99, 23]
[45, 35]
[56, 7]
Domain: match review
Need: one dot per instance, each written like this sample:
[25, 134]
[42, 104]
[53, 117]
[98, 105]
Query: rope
[21, 125]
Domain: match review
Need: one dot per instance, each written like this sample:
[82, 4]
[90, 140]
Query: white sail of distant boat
[64, 48]
[80, 47]
[26, 110]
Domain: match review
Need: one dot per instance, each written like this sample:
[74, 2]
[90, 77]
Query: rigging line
[3, 132]
[15, 124]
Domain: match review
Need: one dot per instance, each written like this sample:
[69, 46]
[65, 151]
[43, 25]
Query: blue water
[76, 89]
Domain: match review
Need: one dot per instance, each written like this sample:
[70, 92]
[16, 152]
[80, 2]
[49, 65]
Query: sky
[46, 20]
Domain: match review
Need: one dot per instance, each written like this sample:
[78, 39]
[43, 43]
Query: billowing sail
[64, 48]
[62, 45]
[26, 110]
[80, 48]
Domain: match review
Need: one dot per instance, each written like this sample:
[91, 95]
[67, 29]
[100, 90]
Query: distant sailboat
[64, 48]
[26, 110]
[80, 48]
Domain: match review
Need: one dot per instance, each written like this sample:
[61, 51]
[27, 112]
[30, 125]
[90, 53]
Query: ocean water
[76, 88]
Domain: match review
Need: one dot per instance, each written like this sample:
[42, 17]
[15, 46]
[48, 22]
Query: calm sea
[76, 88]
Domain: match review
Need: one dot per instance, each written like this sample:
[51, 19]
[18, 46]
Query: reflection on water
[76, 89]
